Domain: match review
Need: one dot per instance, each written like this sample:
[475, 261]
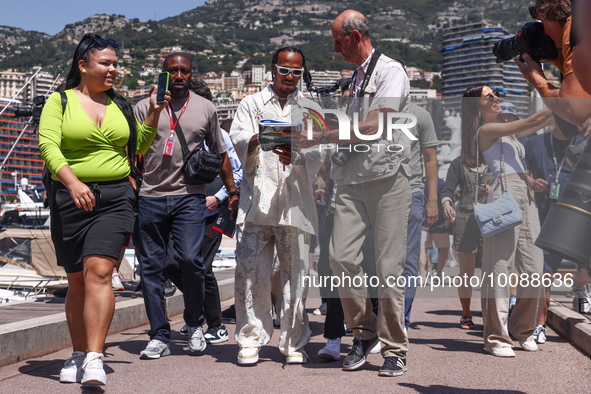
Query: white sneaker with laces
[331, 351]
[540, 334]
[581, 301]
[94, 372]
[197, 341]
[72, 369]
[155, 349]
[116, 283]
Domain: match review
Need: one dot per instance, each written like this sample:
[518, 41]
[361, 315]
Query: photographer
[556, 17]
[581, 43]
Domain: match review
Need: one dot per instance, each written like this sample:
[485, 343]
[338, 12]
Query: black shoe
[358, 353]
[137, 294]
[393, 366]
[229, 315]
[60, 293]
[169, 288]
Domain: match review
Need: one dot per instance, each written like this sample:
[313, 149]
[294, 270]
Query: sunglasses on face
[296, 72]
[491, 98]
[533, 12]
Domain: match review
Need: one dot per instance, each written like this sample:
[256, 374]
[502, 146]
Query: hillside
[226, 34]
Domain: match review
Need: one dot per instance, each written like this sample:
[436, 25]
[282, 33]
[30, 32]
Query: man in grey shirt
[169, 205]
[425, 147]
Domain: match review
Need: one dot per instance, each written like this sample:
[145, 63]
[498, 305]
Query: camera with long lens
[34, 110]
[532, 40]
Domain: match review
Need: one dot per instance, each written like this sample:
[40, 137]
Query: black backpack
[46, 176]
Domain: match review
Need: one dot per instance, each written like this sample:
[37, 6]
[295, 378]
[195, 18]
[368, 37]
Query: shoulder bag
[503, 213]
[199, 166]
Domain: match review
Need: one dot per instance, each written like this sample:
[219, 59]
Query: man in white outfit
[277, 211]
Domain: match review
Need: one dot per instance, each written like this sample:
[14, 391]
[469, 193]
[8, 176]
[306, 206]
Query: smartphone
[163, 78]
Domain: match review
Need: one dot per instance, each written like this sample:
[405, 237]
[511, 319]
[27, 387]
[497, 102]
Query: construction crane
[122, 79]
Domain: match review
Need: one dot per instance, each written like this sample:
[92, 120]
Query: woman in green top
[92, 202]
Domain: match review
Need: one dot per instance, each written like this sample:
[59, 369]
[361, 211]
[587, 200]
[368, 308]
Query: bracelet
[234, 193]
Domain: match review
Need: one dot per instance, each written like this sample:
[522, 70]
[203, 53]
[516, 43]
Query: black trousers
[212, 309]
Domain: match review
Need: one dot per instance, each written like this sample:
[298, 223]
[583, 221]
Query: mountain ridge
[221, 34]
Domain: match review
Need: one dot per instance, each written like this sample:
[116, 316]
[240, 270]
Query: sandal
[466, 323]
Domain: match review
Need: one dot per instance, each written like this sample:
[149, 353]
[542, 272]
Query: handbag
[200, 166]
[500, 215]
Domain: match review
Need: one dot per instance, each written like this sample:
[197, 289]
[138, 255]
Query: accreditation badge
[169, 146]
[554, 190]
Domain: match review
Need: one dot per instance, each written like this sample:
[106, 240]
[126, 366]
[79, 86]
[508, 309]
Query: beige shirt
[388, 87]
[272, 194]
[163, 174]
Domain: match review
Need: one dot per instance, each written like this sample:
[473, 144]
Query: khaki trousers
[383, 205]
[503, 252]
[254, 270]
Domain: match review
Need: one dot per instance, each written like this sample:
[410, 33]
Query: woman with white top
[500, 150]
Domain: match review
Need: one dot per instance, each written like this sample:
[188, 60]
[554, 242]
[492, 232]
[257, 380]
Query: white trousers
[254, 270]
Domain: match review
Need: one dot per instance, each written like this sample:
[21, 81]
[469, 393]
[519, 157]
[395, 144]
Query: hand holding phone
[163, 79]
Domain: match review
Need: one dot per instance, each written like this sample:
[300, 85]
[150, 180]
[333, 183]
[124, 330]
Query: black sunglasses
[101, 43]
[491, 98]
[533, 12]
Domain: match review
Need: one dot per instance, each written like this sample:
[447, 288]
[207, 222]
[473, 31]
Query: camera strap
[372, 65]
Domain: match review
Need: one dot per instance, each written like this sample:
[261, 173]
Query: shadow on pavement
[451, 345]
[457, 390]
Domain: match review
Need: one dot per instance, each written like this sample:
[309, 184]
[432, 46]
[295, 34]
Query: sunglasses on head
[101, 43]
[533, 12]
[296, 72]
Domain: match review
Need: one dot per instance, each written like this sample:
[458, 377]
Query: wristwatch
[234, 193]
[324, 139]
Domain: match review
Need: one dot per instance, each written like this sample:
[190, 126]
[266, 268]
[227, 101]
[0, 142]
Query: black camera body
[532, 40]
[34, 110]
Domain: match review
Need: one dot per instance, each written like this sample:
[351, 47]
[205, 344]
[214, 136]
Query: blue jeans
[184, 218]
[413, 248]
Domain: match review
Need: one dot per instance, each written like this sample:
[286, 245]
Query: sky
[51, 16]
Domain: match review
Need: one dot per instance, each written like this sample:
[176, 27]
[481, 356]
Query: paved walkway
[442, 359]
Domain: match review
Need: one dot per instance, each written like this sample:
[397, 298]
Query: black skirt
[77, 233]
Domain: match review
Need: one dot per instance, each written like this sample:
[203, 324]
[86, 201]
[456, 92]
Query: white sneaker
[155, 349]
[116, 282]
[248, 355]
[72, 369]
[502, 351]
[540, 334]
[197, 341]
[529, 345]
[581, 301]
[297, 357]
[321, 310]
[94, 372]
[377, 348]
[331, 351]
